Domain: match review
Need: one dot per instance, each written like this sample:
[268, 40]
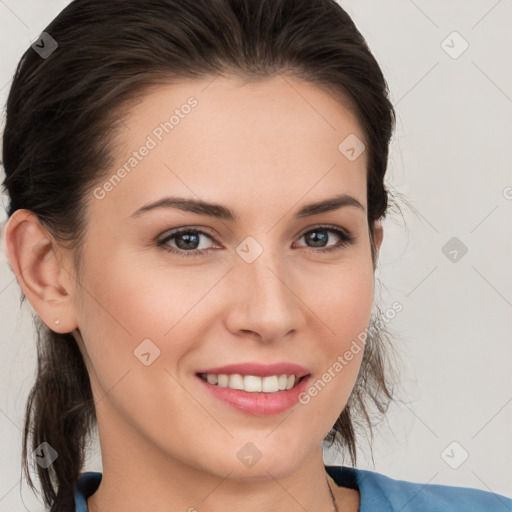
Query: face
[251, 282]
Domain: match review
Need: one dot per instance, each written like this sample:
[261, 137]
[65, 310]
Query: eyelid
[333, 227]
[182, 229]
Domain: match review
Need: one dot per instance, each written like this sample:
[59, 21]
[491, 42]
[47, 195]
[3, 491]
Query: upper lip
[259, 370]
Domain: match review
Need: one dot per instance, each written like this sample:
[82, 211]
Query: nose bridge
[265, 300]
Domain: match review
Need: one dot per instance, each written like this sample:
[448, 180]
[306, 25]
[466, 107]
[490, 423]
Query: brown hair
[63, 109]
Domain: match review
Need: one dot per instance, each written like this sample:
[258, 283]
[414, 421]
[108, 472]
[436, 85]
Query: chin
[254, 462]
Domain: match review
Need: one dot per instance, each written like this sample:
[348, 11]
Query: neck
[144, 478]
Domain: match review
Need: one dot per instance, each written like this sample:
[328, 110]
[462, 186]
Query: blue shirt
[378, 493]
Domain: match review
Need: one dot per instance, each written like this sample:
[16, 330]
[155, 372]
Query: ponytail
[59, 416]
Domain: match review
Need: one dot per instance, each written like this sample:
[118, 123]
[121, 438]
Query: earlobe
[31, 253]
[378, 234]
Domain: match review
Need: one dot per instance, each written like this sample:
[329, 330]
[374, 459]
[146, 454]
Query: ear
[378, 234]
[38, 265]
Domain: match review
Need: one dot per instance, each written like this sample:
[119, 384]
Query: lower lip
[258, 404]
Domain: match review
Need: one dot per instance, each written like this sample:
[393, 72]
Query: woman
[196, 195]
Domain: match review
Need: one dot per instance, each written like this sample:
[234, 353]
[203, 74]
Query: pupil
[315, 238]
[189, 238]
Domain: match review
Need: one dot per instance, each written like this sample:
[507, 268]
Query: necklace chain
[334, 506]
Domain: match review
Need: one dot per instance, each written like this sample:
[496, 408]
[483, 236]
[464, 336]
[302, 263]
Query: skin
[263, 149]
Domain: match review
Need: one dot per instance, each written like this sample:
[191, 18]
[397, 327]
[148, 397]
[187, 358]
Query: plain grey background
[449, 68]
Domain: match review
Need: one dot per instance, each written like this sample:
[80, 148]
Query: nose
[265, 300]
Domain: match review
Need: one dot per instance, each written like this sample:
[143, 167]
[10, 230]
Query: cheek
[133, 300]
[133, 313]
[345, 308]
[124, 317]
[345, 301]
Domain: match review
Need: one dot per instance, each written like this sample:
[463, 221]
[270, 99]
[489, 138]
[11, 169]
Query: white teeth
[223, 380]
[270, 384]
[290, 382]
[252, 383]
[212, 378]
[236, 381]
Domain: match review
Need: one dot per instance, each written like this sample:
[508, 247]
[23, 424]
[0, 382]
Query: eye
[188, 242]
[320, 235]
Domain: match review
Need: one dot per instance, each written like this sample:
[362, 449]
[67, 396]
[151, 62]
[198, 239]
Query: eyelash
[345, 240]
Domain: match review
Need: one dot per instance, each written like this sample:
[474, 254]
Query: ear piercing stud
[57, 322]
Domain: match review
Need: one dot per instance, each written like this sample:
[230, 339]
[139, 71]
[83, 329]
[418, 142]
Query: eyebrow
[221, 212]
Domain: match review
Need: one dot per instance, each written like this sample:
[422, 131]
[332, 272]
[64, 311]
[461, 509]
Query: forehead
[232, 103]
[218, 136]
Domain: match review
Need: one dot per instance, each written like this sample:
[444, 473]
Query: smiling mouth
[253, 383]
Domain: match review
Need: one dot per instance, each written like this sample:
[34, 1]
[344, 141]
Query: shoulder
[385, 494]
[85, 486]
